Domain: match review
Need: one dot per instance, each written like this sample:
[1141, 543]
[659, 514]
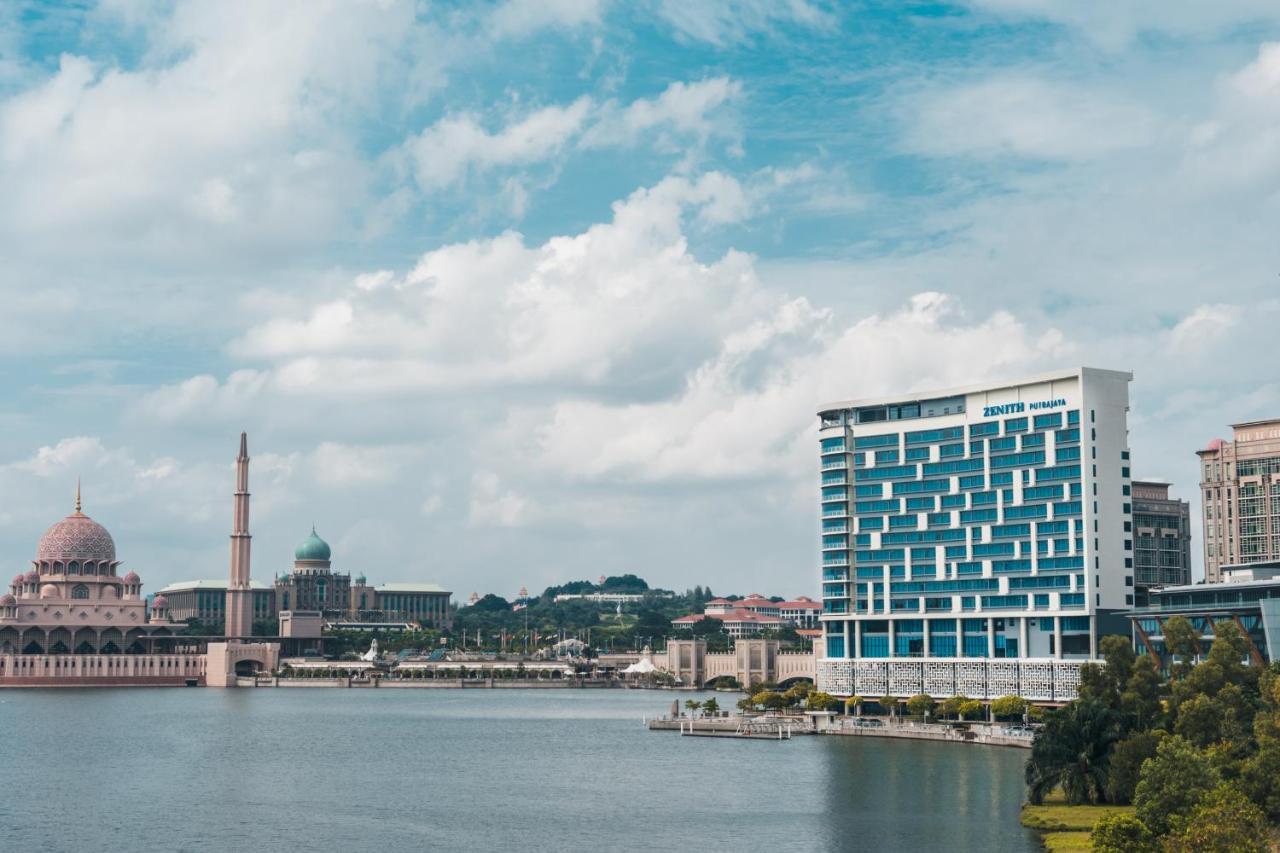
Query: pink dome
[19, 578]
[31, 577]
[1216, 444]
[159, 603]
[132, 577]
[7, 599]
[76, 537]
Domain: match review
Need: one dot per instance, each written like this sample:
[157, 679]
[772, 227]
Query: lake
[492, 770]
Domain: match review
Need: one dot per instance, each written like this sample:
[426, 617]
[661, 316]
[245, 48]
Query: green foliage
[819, 701]
[854, 703]
[920, 704]
[770, 700]
[1009, 707]
[1171, 783]
[711, 707]
[1073, 753]
[1123, 833]
[888, 703]
[1126, 765]
[970, 709]
[1224, 821]
[1182, 641]
[950, 707]
[1198, 720]
[1260, 779]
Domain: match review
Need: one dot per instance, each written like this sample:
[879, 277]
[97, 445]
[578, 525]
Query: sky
[517, 293]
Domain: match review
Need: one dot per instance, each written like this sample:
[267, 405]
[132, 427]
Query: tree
[1072, 753]
[1126, 765]
[888, 703]
[855, 702]
[1122, 833]
[1182, 640]
[920, 704]
[711, 707]
[1224, 821]
[1199, 720]
[770, 700]
[707, 626]
[1260, 777]
[819, 701]
[1140, 700]
[1009, 707]
[950, 707]
[692, 705]
[970, 709]
[1172, 783]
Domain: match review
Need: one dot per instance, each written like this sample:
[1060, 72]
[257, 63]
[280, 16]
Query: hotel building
[975, 541]
[1240, 492]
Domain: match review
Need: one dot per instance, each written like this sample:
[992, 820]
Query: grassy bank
[1064, 828]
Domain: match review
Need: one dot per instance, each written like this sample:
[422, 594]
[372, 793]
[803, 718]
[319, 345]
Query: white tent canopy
[641, 667]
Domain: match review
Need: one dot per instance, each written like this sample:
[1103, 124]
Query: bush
[1172, 783]
[1123, 833]
[920, 704]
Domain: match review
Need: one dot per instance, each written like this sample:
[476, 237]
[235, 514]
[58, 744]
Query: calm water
[516, 770]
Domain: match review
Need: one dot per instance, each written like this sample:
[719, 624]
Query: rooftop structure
[1162, 538]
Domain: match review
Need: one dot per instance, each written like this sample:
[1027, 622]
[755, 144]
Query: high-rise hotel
[976, 541]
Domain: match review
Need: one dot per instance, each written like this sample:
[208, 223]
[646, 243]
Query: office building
[1161, 539]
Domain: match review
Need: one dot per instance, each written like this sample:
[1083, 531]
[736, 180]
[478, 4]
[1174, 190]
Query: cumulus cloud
[623, 302]
[748, 412]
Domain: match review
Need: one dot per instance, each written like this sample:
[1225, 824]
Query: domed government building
[343, 600]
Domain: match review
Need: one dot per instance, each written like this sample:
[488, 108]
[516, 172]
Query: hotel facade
[975, 541]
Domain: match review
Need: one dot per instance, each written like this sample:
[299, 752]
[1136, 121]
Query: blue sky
[530, 291]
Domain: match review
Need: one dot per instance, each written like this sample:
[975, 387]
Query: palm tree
[1073, 753]
[853, 702]
[692, 705]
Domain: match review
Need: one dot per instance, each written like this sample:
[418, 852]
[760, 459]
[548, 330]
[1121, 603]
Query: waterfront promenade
[989, 734]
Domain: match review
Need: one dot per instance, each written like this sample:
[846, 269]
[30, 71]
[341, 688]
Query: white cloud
[457, 146]
[623, 301]
[334, 464]
[725, 22]
[493, 505]
[1203, 327]
[1116, 25]
[443, 153]
[749, 412]
[521, 17]
[1025, 116]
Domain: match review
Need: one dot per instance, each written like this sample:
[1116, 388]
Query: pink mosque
[72, 620]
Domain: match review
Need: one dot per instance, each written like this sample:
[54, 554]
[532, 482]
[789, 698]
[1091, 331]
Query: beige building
[1240, 489]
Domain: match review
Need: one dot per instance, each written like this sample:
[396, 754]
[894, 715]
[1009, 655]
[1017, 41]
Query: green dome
[312, 548]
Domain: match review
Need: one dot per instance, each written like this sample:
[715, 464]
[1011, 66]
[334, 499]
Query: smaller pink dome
[159, 603]
[31, 576]
[132, 577]
[19, 578]
[7, 599]
[1216, 444]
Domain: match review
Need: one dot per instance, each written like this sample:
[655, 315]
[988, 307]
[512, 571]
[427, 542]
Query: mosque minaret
[239, 595]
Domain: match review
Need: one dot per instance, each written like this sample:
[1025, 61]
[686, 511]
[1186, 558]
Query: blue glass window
[835, 647]
[1015, 425]
[866, 441]
[989, 428]
[1048, 421]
